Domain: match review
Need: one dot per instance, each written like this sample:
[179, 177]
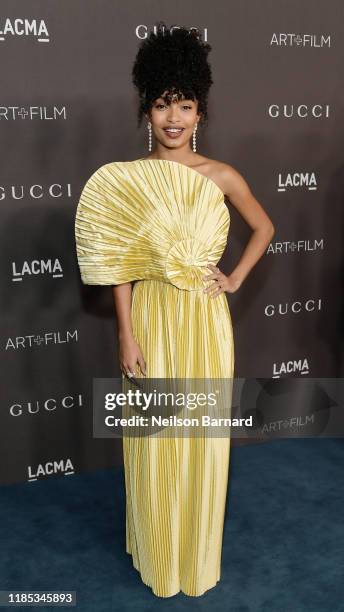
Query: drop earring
[149, 126]
[194, 139]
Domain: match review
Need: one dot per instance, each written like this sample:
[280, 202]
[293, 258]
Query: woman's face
[173, 123]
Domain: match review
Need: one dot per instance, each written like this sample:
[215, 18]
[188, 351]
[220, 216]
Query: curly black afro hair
[174, 60]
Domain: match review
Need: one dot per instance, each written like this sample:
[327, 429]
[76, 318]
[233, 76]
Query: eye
[159, 105]
[187, 106]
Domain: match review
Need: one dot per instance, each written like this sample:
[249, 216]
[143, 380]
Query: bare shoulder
[236, 188]
[228, 179]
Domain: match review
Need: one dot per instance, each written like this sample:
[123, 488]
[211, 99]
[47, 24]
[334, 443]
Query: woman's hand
[222, 282]
[130, 355]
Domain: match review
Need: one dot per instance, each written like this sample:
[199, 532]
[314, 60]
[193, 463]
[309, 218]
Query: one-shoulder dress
[158, 223]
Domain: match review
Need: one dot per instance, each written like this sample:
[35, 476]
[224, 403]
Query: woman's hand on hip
[222, 282]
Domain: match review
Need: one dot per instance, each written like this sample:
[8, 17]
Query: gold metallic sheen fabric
[158, 223]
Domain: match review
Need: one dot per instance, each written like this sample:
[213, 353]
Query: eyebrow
[159, 100]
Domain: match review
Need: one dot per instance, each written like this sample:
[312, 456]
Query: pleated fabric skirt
[176, 488]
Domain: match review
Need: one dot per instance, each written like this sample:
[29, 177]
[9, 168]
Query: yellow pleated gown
[159, 223]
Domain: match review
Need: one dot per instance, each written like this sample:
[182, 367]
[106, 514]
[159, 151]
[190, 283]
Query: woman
[161, 221]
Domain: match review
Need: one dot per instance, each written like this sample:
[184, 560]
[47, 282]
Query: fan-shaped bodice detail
[184, 262]
[150, 219]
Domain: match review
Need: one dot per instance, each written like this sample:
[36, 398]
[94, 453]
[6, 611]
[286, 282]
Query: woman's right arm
[130, 353]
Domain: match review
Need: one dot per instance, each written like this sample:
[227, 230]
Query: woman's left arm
[240, 195]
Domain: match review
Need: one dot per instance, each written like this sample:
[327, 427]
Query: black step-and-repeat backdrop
[68, 106]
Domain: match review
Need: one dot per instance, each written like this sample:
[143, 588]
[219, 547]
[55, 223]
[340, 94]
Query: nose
[172, 115]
